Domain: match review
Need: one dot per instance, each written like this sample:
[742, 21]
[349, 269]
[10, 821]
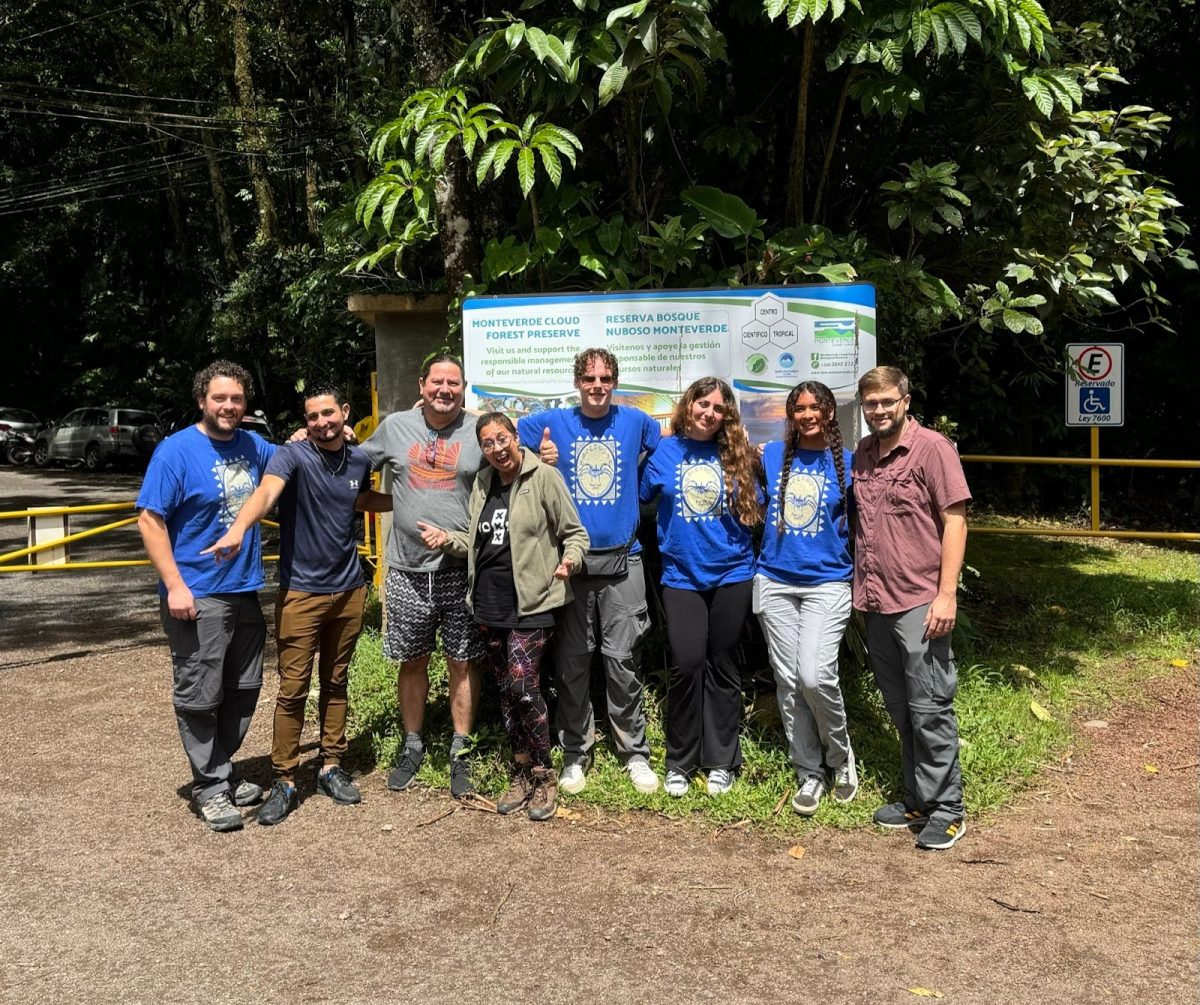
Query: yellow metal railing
[1095, 462]
[368, 547]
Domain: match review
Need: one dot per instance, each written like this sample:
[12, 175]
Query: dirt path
[113, 892]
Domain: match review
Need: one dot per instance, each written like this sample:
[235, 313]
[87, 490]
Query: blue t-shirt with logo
[813, 546]
[702, 543]
[598, 460]
[198, 485]
[318, 549]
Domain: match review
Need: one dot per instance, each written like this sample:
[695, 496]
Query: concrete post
[407, 329]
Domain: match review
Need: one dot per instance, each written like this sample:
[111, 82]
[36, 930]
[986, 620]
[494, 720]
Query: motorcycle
[18, 448]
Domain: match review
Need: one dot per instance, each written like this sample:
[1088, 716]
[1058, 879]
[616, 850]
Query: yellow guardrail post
[1095, 431]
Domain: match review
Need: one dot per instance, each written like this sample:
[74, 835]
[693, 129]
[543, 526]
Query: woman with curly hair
[802, 591]
[706, 481]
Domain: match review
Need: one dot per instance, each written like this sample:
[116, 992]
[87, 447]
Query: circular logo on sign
[803, 497]
[701, 489]
[757, 363]
[787, 360]
[596, 468]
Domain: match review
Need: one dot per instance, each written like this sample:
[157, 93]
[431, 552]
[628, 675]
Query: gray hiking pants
[918, 681]
[610, 610]
[218, 667]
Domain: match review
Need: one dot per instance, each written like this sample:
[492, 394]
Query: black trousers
[704, 695]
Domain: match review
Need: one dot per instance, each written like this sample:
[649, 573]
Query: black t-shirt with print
[495, 599]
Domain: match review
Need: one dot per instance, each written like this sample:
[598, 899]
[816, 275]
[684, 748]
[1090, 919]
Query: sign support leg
[1095, 434]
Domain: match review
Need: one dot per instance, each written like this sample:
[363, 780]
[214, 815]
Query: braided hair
[791, 440]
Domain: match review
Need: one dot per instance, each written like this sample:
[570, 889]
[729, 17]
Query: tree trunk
[460, 250]
[832, 145]
[793, 213]
[255, 141]
[220, 201]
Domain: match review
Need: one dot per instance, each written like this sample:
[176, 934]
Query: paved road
[48, 616]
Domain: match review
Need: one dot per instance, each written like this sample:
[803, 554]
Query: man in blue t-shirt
[319, 484]
[596, 447]
[195, 485]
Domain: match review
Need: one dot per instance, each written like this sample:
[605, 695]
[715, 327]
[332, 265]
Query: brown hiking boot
[519, 790]
[544, 801]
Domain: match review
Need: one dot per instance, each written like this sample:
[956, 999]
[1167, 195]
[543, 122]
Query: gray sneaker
[942, 831]
[808, 798]
[220, 814]
[244, 793]
[845, 781]
[897, 816]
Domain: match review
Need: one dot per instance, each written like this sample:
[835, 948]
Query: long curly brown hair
[791, 440]
[739, 461]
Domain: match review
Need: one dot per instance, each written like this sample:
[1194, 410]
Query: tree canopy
[184, 179]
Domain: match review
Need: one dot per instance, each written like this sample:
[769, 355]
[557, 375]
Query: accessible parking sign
[1095, 384]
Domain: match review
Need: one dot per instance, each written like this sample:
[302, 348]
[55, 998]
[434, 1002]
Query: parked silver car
[99, 436]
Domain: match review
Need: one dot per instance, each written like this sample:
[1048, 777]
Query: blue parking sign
[1095, 400]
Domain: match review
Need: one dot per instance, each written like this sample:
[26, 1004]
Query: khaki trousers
[325, 625]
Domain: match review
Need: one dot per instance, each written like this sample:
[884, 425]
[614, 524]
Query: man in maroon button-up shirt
[910, 538]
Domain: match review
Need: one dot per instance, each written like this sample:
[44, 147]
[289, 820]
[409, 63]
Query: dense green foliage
[1072, 626]
[188, 179]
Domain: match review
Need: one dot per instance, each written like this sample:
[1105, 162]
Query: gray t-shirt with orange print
[432, 472]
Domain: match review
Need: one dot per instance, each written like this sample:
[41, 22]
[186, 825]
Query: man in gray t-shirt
[432, 456]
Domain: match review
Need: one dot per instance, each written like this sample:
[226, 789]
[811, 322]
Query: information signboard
[1095, 384]
[519, 350]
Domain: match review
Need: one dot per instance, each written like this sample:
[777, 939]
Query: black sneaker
[461, 784]
[406, 769]
[897, 816]
[942, 831]
[279, 804]
[336, 784]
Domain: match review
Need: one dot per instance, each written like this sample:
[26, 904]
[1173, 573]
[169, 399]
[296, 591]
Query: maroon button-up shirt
[898, 540]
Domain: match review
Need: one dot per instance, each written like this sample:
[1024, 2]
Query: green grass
[1072, 625]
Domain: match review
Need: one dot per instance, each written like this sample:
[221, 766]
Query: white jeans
[804, 627]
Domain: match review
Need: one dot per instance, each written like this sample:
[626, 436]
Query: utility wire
[81, 20]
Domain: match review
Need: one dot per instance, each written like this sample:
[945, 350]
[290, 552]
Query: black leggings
[704, 696]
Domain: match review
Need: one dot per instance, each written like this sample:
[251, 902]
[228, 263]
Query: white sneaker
[572, 779]
[676, 783]
[845, 781]
[641, 774]
[720, 781]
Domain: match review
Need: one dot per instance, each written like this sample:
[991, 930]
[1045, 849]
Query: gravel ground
[113, 891]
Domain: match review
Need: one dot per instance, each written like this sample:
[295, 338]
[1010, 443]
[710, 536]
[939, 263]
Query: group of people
[507, 536]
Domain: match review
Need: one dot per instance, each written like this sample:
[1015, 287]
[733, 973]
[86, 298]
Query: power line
[81, 20]
[51, 106]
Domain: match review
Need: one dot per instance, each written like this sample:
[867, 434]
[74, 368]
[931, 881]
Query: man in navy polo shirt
[319, 484]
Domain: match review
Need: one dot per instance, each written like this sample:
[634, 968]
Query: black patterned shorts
[419, 604]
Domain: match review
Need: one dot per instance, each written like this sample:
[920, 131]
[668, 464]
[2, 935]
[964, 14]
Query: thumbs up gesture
[547, 451]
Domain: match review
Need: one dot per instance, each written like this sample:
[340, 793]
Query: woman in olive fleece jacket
[522, 544]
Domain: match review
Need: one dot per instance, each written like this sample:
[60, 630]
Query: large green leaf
[725, 213]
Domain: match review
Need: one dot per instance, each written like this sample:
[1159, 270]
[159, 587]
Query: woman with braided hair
[802, 591]
[706, 480]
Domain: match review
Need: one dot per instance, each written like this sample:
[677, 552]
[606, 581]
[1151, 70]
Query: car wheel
[41, 453]
[92, 460]
[146, 438]
[11, 454]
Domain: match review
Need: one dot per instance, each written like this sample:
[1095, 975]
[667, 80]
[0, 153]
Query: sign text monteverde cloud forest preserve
[519, 350]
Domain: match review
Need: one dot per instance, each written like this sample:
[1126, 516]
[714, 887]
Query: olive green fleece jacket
[543, 529]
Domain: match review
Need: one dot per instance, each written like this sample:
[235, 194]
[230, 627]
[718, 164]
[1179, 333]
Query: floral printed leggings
[516, 659]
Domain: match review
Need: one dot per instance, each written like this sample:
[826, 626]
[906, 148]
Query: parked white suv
[99, 436]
